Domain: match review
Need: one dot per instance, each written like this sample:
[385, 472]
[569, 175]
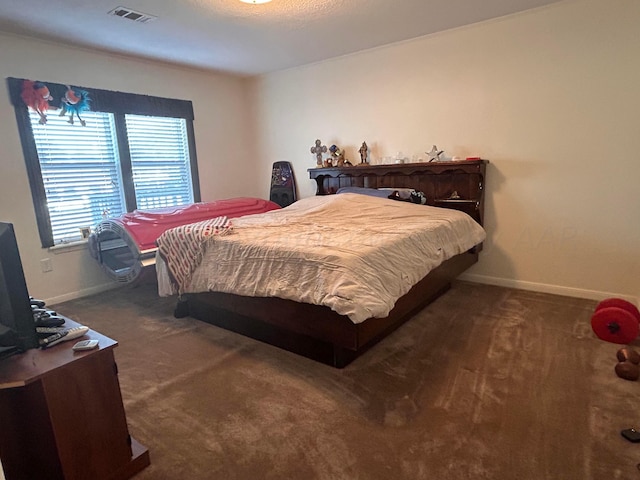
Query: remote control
[85, 345]
[53, 339]
[36, 302]
[49, 322]
[49, 330]
[63, 336]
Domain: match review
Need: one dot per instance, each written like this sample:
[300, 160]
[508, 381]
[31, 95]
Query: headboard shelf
[458, 185]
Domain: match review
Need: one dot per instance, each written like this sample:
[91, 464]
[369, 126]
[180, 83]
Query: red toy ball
[616, 320]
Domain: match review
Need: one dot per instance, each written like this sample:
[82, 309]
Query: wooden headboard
[458, 185]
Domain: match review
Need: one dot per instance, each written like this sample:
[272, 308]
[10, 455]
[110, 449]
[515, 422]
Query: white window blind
[160, 163]
[80, 171]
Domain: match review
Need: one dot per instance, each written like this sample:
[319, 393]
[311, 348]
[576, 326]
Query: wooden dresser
[62, 415]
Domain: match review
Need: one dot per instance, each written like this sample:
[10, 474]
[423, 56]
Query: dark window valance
[112, 102]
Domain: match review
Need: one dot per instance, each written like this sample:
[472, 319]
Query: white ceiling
[230, 36]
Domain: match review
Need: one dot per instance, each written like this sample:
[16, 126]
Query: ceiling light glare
[255, 2]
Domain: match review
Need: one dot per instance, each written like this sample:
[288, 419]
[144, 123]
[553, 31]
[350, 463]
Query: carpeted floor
[486, 383]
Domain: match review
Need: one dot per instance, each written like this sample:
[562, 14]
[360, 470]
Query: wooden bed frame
[319, 333]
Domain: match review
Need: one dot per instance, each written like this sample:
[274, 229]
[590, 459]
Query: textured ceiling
[231, 36]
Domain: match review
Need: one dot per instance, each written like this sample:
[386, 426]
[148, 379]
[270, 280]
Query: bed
[309, 299]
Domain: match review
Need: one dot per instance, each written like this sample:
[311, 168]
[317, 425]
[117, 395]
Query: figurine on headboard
[337, 157]
[363, 153]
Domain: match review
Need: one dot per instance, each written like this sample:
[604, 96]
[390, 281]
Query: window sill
[68, 247]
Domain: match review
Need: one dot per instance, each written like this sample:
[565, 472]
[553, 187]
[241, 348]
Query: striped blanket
[182, 247]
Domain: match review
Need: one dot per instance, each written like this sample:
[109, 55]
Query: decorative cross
[318, 150]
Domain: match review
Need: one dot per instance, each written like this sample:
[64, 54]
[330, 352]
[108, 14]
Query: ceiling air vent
[129, 14]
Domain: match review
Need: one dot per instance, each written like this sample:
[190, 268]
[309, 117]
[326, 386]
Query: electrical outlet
[46, 265]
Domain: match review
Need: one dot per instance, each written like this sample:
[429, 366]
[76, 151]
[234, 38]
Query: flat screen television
[17, 327]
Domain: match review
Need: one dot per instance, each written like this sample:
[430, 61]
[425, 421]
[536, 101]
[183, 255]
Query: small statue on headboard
[318, 149]
[337, 157]
[363, 153]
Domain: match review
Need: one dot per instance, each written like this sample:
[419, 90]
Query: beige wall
[549, 96]
[224, 145]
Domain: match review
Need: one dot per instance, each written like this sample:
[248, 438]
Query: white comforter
[356, 254]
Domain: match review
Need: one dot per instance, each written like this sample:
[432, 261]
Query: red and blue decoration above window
[73, 101]
[37, 96]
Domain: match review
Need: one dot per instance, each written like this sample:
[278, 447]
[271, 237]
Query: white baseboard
[81, 293]
[546, 288]
[470, 277]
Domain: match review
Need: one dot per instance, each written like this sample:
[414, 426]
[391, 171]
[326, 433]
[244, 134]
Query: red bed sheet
[145, 227]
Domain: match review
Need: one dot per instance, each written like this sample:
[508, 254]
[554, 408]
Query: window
[159, 161]
[134, 152]
[81, 172]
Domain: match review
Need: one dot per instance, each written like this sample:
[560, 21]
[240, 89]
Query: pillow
[365, 191]
[402, 194]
